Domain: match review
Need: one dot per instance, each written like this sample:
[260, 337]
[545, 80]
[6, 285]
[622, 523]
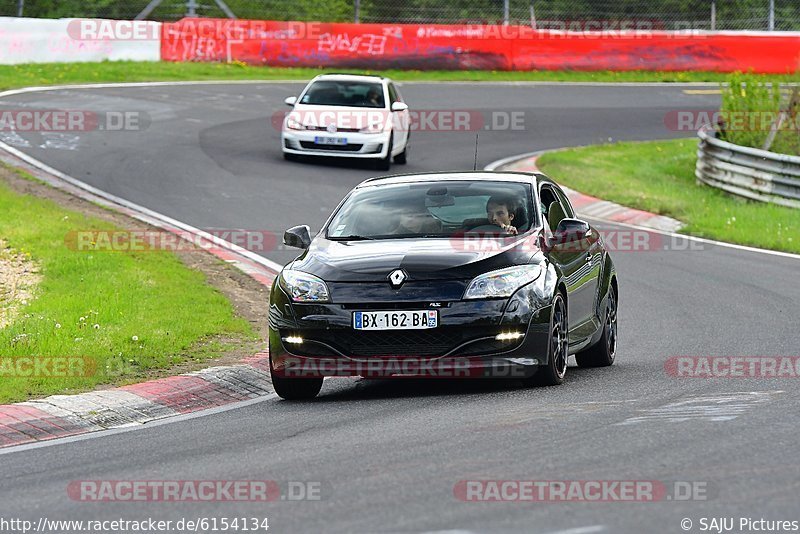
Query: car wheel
[402, 157]
[554, 371]
[384, 164]
[295, 388]
[602, 353]
[291, 157]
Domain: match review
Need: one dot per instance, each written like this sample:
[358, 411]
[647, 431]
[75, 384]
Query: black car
[444, 274]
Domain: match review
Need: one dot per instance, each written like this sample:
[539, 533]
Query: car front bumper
[309, 340]
[358, 145]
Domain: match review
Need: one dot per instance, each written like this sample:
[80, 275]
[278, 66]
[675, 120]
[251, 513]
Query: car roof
[350, 77]
[467, 176]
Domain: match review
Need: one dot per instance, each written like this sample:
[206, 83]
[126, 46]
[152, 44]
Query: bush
[750, 106]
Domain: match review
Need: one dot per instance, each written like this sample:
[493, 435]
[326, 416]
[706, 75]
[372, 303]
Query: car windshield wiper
[352, 238]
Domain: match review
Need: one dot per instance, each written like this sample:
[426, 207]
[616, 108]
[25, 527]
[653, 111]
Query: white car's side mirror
[399, 106]
[290, 101]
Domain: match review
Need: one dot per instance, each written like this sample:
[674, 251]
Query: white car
[347, 115]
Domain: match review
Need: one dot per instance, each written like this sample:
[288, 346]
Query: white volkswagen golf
[348, 115]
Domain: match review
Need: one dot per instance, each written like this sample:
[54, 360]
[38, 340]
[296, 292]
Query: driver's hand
[510, 229]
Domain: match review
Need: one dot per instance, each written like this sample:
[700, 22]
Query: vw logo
[331, 128]
[397, 277]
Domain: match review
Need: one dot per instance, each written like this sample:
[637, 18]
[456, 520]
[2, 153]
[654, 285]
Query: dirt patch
[19, 276]
[249, 298]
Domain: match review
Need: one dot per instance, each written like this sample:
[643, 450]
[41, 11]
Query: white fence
[26, 40]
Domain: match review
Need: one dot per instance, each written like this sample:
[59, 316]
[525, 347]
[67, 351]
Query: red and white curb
[60, 416]
[590, 206]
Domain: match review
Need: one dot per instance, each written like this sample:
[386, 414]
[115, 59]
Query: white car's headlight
[372, 129]
[304, 287]
[294, 125]
[503, 282]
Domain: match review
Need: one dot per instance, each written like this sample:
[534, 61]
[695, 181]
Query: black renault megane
[460, 274]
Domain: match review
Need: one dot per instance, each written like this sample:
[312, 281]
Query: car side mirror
[290, 101]
[571, 230]
[399, 106]
[297, 237]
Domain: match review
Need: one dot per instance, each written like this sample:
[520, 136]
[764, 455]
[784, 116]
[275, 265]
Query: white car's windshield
[434, 209]
[344, 93]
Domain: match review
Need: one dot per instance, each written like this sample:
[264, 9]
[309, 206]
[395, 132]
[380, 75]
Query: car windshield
[434, 209]
[344, 93]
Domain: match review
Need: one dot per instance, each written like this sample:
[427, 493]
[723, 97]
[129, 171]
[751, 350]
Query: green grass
[12, 76]
[151, 311]
[658, 176]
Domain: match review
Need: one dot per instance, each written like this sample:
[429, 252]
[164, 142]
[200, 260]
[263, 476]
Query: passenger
[415, 219]
[500, 210]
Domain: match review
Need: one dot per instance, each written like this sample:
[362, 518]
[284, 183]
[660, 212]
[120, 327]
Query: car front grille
[325, 129]
[349, 147]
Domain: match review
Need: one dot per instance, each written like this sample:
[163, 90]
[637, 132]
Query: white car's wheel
[384, 164]
[402, 157]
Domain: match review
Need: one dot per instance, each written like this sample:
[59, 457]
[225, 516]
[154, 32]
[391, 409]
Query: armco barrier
[748, 172]
[27, 40]
[298, 44]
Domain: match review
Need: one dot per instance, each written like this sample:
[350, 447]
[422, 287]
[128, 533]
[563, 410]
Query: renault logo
[331, 128]
[397, 277]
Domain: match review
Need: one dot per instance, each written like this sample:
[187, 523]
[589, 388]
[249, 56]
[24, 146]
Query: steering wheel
[488, 229]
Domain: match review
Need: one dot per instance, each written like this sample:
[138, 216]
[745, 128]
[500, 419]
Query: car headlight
[304, 287]
[503, 282]
[372, 129]
[294, 125]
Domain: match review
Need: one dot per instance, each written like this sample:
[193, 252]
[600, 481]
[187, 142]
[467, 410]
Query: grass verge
[13, 76]
[109, 317]
[658, 176]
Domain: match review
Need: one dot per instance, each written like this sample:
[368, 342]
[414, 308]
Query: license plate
[330, 140]
[395, 320]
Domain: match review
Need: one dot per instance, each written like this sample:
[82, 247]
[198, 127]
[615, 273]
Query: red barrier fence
[476, 47]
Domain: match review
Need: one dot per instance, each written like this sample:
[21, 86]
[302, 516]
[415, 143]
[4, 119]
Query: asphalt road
[388, 454]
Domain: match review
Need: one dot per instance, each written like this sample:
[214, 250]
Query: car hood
[421, 259]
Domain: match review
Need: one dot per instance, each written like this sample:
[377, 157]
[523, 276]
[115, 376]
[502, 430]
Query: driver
[374, 97]
[500, 210]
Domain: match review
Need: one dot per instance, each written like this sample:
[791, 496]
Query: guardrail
[748, 172]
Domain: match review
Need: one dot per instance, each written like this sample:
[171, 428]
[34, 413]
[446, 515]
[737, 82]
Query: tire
[384, 164]
[295, 388]
[553, 373]
[602, 353]
[402, 157]
[291, 157]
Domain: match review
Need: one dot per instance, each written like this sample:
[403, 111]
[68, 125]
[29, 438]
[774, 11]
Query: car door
[400, 118]
[592, 246]
[571, 259]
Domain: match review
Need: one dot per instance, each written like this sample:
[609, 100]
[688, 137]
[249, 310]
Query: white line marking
[580, 530]
[712, 407]
[36, 89]
[43, 88]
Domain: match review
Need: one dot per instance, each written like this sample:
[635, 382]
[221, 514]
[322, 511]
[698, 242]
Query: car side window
[394, 94]
[551, 207]
[570, 212]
